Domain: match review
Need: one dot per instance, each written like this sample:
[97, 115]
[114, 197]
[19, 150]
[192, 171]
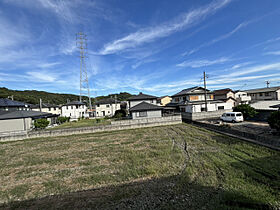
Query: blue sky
[158, 47]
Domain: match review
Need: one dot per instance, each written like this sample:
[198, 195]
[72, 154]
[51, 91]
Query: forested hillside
[33, 96]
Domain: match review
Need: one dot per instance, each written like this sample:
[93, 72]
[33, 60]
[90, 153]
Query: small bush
[61, 120]
[246, 110]
[274, 120]
[120, 114]
[41, 123]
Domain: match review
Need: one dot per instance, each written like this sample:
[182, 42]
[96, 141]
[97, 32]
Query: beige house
[106, 107]
[48, 108]
[162, 101]
[225, 95]
[264, 94]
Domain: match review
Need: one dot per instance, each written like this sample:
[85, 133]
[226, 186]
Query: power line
[81, 42]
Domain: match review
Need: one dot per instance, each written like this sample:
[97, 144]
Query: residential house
[106, 107]
[74, 110]
[225, 95]
[49, 108]
[11, 105]
[162, 101]
[242, 97]
[144, 106]
[264, 94]
[264, 109]
[22, 120]
[191, 102]
[134, 100]
[145, 110]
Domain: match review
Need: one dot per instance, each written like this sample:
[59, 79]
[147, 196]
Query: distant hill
[33, 96]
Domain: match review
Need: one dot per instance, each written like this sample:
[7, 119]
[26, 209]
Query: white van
[232, 117]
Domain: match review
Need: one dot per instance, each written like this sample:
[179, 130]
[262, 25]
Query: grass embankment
[139, 168]
[83, 123]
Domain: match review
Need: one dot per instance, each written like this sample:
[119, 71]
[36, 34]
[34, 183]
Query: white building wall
[13, 125]
[51, 110]
[73, 112]
[106, 109]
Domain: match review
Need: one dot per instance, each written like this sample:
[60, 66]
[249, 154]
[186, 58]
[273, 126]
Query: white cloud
[201, 63]
[218, 39]
[272, 53]
[237, 66]
[42, 76]
[152, 33]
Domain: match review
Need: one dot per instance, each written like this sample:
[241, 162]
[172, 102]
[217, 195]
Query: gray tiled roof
[4, 115]
[144, 106]
[190, 91]
[141, 96]
[4, 102]
[262, 90]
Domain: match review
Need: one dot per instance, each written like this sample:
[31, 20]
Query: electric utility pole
[81, 42]
[205, 92]
[267, 84]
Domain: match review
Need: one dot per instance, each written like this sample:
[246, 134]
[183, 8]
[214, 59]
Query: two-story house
[11, 105]
[192, 100]
[74, 110]
[48, 108]
[162, 101]
[144, 106]
[106, 107]
[264, 94]
[226, 95]
[242, 97]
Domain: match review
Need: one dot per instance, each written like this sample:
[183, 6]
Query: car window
[238, 115]
[228, 115]
[233, 115]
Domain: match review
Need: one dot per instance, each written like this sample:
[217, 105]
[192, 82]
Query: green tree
[246, 110]
[41, 123]
[274, 120]
[61, 120]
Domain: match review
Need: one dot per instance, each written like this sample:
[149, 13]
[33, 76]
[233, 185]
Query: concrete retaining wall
[116, 125]
[203, 115]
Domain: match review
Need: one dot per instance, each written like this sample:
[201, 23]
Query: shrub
[41, 123]
[274, 120]
[246, 110]
[61, 120]
[120, 113]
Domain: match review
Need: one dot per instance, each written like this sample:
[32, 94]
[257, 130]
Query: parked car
[232, 117]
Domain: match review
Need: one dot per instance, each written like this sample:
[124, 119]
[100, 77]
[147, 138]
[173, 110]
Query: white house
[144, 106]
[49, 108]
[242, 97]
[264, 94]
[106, 107]
[74, 110]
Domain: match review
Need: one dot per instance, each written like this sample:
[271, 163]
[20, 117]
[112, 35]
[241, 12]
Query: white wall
[73, 112]
[150, 114]
[51, 110]
[210, 107]
[108, 109]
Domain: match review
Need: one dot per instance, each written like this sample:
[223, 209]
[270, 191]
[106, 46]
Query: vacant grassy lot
[141, 168]
[83, 123]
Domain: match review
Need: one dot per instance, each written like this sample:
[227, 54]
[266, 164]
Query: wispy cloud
[237, 66]
[152, 33]
[218, 39]
[272, 53]
[201, 63]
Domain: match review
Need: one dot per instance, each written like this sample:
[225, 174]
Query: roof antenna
[267, 84]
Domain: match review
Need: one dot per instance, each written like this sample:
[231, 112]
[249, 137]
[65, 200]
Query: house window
[71, 107]
[66, 107]
[143, 114]
[267, 94]
[176, 99]
[97, 105]
[107, 105]
[193, 98]
[77, 107]
[54, 108]
[221, 107]
[108, 112]
[182, 109]
[203, 109]
[49, 109]
[260, 94]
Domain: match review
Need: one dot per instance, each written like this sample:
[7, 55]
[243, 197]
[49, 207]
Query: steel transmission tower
[81, 41]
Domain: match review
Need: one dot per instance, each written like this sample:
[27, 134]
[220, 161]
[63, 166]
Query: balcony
[243, 98]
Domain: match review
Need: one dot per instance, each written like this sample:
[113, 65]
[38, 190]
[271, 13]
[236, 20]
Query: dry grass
[139, 168]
